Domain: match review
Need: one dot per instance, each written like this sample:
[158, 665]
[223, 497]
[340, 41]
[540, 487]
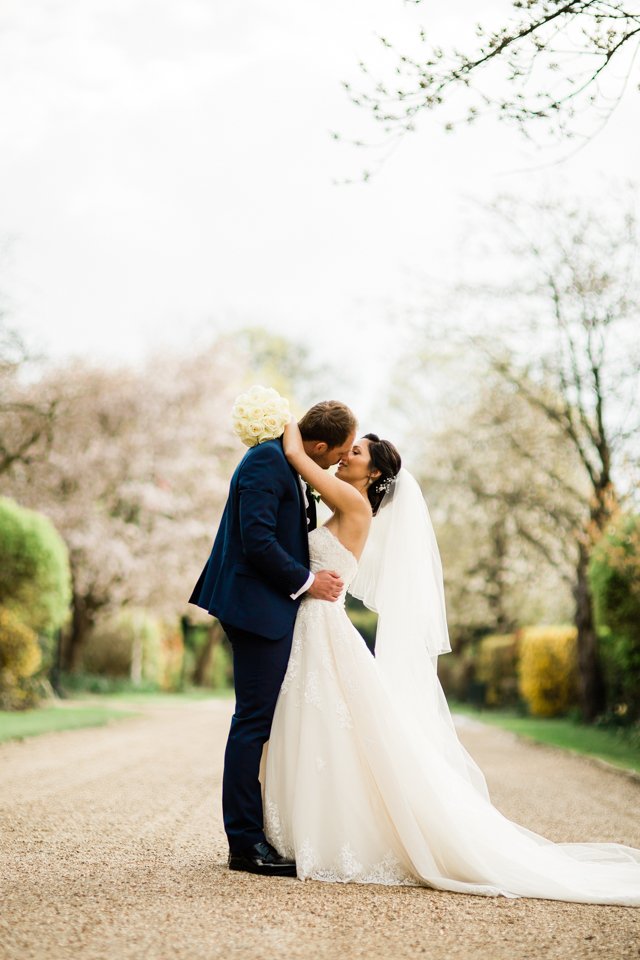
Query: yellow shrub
[20, 657]
[548, 669]
[495, 666]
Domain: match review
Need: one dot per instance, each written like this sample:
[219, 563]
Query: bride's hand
[292, 441]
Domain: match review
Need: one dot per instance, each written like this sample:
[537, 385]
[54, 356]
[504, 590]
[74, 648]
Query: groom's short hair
[329, 422]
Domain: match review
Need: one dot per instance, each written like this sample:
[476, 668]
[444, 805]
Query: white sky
[166, 165]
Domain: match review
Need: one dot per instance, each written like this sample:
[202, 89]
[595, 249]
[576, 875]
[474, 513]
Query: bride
[364, 777]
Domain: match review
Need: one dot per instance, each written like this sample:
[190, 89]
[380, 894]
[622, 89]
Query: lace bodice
[327, 553]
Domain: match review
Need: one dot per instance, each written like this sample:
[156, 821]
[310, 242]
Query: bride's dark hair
[384, 457]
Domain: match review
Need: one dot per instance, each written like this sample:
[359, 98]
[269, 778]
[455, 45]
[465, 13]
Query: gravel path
[111, 846]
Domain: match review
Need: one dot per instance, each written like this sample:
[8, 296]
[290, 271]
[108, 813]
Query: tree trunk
[203, 663]
[497, 591]
[590, 678]
[81, 623]
[56, 667]
[136, 657]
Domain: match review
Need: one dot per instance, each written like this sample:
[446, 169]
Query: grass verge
[91, 709]
[18, 724]
[615, 746]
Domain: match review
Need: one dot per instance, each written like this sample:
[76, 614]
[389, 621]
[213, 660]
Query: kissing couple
[341, 766]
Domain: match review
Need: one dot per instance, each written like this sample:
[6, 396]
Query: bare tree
[501, 526]
[552, 65]
[26, 424]
[562, 336]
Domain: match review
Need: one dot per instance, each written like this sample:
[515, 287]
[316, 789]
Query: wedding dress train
[357, 792]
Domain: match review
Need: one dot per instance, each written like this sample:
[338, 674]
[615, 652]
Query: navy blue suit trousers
[260, 557]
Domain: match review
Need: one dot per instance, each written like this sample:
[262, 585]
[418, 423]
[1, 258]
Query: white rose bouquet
[260, 414]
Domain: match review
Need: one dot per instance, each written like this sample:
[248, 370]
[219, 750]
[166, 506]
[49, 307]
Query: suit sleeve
[262, 483]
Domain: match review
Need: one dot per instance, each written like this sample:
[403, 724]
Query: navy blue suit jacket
[260, 555]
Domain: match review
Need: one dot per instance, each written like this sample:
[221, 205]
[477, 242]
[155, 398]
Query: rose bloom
[260, 414]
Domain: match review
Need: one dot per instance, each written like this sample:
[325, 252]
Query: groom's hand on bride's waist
[327, 585]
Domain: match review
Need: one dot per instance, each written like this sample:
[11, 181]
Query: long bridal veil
[400, 578]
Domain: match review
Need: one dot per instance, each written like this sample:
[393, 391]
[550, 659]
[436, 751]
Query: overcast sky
[166, 165]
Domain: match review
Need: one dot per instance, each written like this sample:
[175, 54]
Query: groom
[253, 582]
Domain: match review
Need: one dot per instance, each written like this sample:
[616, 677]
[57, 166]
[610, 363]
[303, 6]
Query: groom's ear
[321, 447]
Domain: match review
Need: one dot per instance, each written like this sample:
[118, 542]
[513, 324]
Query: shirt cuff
[305, 586]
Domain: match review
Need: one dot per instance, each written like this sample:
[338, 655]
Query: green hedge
[35, 579]
[614, 574]
[35, 594]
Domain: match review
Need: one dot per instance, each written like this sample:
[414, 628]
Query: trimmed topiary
[548, 669]
[35, 579]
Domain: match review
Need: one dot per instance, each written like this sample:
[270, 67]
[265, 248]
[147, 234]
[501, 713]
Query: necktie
[311, 507]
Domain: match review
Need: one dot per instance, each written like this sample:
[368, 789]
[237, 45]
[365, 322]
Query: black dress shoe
[262, 858]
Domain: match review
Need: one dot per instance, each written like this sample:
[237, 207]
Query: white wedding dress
[357, 792]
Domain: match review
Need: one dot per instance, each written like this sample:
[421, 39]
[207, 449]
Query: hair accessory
[383, 485]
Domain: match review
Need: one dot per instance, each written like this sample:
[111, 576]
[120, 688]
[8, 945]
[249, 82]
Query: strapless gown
[356, 795]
